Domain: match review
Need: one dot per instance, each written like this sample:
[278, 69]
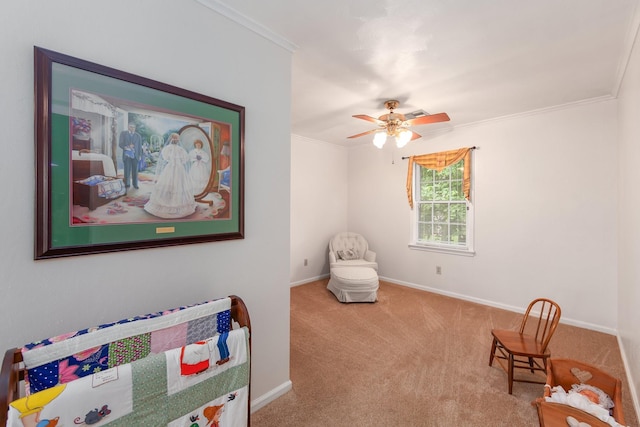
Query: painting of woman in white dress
[172, 194]
[199, 171]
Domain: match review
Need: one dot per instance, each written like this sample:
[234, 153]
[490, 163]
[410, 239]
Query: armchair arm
[370, 256]
[332, 257]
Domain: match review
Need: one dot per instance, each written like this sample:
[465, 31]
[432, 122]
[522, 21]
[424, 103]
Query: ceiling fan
[397, 125]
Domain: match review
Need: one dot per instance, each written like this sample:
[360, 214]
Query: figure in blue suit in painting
[131, 144]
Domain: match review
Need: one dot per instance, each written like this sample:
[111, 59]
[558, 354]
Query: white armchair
[351, 250]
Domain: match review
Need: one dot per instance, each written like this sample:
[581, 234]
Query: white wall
[545, 209]
[181, 43]
[556, 213]
[629, 226]
[319, 183]
[545, 216]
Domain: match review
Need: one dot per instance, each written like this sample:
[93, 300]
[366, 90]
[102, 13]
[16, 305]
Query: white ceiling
[474, 59]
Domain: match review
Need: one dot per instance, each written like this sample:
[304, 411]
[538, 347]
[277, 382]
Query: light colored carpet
[412, 359]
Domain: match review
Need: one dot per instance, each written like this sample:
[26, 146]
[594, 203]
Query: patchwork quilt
[181, 367]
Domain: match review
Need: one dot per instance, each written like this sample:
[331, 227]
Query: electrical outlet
[306, 262]
[438, 269]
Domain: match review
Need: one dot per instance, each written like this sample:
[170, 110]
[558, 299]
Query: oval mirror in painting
[201, 173]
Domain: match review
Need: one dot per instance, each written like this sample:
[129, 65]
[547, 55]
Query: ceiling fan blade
[431, 118]
[415, 136]
[364, 133]
[369, 119]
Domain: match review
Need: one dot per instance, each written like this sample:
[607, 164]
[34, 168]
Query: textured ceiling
[474, 59]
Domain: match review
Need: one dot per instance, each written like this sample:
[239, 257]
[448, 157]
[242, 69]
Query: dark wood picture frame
[80, 108]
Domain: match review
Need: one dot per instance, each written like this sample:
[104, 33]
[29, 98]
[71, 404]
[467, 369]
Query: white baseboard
[566, 321]
[308, 280]
[634, 395]
[270, 396]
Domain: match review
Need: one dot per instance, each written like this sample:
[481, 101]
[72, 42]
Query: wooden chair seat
[520, 345]
[526, 348]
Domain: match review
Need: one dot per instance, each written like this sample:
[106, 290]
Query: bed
[184, 366]
[95, 181]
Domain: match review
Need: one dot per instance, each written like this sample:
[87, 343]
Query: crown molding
[632, 34]
[227, 11]
[538, 111]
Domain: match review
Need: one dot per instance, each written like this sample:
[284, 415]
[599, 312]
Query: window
[442, 215]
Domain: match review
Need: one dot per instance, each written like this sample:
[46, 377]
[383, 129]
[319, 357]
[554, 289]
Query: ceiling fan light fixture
[397, 125]
[403, 137]
[379, 139]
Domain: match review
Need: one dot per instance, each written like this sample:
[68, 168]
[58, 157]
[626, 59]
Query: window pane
[426, 176]
[458, 234]
[426, 210]
[458, 212]
[440, 233]
[441, 190]
[427, 192]
[424, 232]
[441, 212]
[457, 170]
[443, 175]
[456, 190]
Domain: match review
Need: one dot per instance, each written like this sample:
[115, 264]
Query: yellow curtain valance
[439, 161]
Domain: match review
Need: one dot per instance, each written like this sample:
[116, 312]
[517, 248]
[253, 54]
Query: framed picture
[124, 162]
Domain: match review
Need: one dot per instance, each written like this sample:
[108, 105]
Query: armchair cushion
[351, 250]
[348, 254]
[370, 256]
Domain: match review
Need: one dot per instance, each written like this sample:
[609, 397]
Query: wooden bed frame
[13, 372]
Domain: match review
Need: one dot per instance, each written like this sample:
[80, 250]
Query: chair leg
[510, 373]
[493, 352]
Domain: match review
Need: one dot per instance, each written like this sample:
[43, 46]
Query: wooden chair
[526, 348]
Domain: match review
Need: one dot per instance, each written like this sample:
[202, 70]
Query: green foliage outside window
[442, 208]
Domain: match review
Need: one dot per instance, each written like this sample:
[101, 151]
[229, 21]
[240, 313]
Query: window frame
[466, 250]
